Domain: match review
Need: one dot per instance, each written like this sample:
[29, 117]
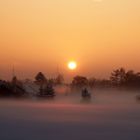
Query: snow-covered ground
[110, 115]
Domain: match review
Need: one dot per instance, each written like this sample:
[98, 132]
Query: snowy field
[110, 115]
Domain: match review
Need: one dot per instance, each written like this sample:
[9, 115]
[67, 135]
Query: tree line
[119, 78]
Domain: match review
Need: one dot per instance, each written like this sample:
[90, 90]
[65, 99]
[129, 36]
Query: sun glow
[72, 65]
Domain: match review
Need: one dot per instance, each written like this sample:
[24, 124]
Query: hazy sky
[38, 35]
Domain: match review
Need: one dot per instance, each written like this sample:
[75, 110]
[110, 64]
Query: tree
[79, 81]
[47, 90]
[91, 82]
[123, 78]
[132, 79]
[40, 78]
[59, 79]
[103, 83]
[118, 76]
[14, 80]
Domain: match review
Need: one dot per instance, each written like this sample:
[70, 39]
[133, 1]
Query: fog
[109, 115]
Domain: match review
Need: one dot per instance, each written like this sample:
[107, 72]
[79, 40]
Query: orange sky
[39, 35]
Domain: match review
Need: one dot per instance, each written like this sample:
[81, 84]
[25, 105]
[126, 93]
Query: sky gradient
[40, 35]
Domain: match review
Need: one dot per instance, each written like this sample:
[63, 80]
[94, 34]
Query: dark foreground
[106, 117]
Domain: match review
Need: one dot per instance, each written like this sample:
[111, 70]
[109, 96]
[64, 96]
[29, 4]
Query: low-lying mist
[110, 114]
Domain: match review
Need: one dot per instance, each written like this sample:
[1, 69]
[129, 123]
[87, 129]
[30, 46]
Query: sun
[72, 65]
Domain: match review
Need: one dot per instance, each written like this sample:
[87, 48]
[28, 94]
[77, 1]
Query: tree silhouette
[123, 78]
[14, 80]
[59, 79]
[40, 78]
[118, 76]
[79, 81]
[132, 79]
[91, 82]
[47, 90]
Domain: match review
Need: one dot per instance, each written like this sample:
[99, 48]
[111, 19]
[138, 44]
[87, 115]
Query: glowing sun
[72, 65]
